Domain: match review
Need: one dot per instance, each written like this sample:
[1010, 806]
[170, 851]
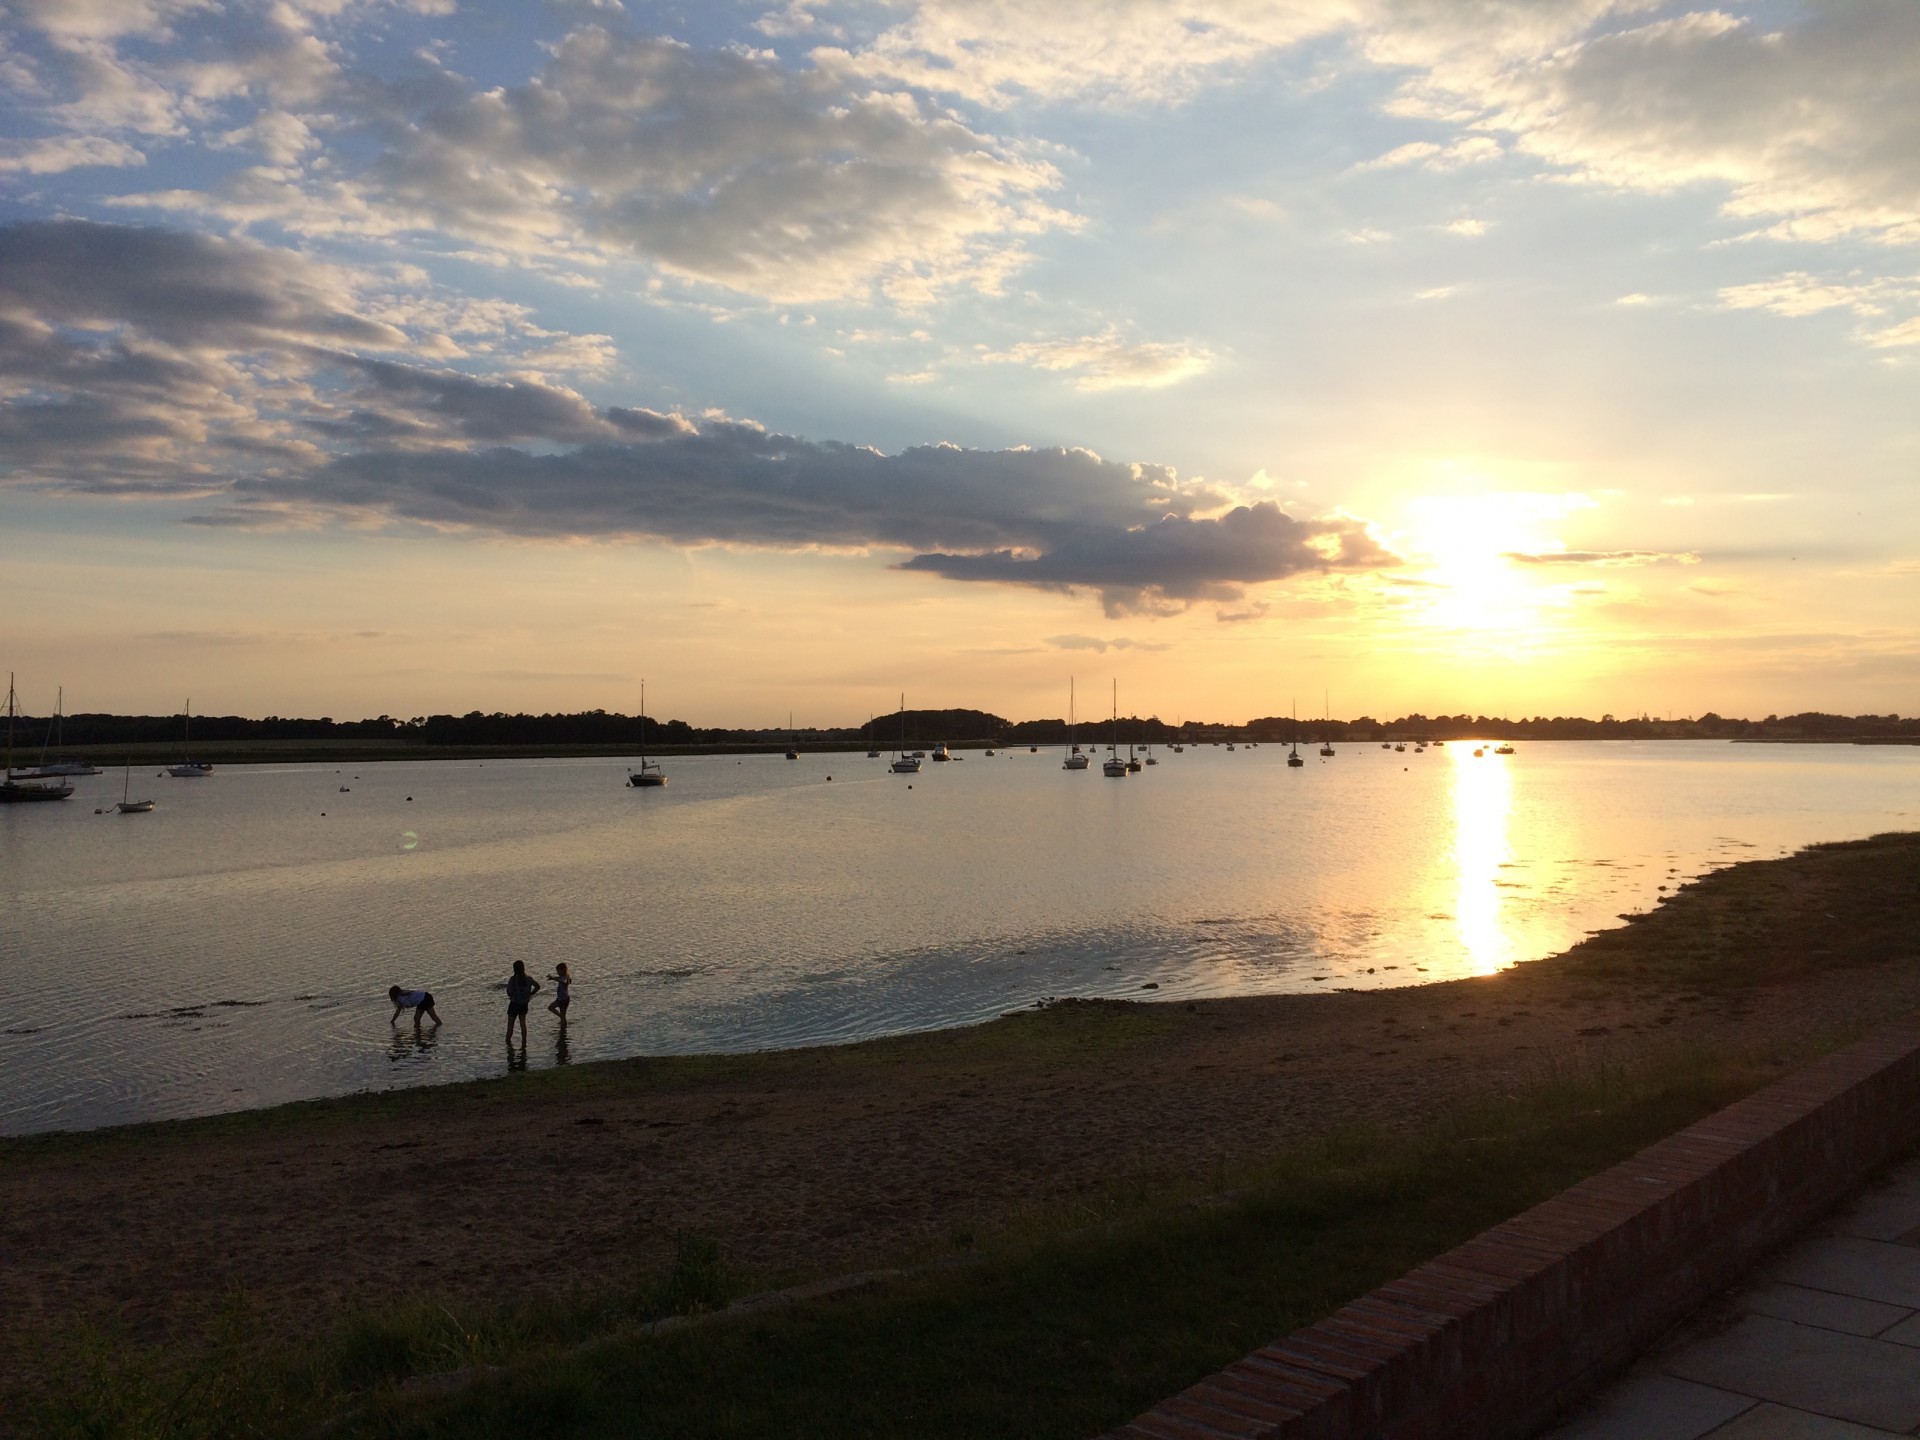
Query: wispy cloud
[1604, 557]
[1108, 361]
[1100, 646]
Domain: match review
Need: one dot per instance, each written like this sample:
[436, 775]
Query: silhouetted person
[418, 1001]
[563, 983]
[521, 988]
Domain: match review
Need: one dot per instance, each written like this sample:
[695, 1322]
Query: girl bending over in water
[418, 1001]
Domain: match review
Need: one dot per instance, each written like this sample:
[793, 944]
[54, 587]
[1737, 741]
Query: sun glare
[1461, 546]
[1482, 803]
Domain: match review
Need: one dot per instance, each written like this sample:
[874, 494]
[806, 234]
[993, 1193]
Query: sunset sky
[1493, 355]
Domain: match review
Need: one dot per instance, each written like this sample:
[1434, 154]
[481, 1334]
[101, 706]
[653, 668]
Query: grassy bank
[1057, 1325]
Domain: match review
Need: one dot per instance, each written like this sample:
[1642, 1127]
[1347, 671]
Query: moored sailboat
[903, 763]
[189, 768]
[127, 805]
[649, 776]
[1113, 767]
[26, 790]
[56, 742]
[1075, 760]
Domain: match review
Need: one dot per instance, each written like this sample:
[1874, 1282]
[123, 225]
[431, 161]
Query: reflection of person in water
[418, 1001]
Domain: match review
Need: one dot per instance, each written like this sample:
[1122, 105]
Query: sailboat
[1075, 760]
[1326, 720]
[23, 791]
[189, 768]
[873, 752]
[57, 741]
[903, 763]
[1113, 767]
[1294, 762]
[649, 776]
[127, 805]
[793, 739]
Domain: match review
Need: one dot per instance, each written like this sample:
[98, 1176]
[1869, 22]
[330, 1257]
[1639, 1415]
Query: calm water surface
[234, 947]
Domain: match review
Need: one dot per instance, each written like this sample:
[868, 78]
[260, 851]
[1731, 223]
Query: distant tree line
[920, 728]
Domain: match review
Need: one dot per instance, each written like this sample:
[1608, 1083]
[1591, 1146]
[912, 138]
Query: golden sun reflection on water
[1482, 803]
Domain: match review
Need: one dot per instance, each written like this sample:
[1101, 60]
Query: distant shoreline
[298, 752]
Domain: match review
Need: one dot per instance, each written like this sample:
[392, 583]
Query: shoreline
[828, 1160]
[309, 752]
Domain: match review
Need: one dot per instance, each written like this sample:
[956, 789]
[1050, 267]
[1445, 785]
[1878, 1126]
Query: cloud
[1107, 361]
[1877, 302]
[716, 166]
[1099, 646]
[1604, 557]
[1176, 558]
[1807, 125]
[997, 52]
[1468, 150]
[186, 290]
[64, 152]
[139, 361]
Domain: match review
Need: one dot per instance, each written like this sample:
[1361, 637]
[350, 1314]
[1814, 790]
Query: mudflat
[809, 1162]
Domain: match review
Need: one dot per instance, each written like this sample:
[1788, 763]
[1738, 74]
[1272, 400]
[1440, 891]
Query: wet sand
[816, 1161]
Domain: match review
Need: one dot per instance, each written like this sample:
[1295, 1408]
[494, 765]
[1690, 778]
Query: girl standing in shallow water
[521, 988]
[563, 983]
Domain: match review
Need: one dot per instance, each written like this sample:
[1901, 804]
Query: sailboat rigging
[189, 768]
[649, 776]
[1113, 767]
[23, 791]
[127, 805]
[903, 763]
[1075, 760]
[56, 742]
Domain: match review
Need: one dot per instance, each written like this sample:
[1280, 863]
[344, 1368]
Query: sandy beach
[812, 1162]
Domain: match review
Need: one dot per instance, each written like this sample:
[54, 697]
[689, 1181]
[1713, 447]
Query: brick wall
[1491, 1340]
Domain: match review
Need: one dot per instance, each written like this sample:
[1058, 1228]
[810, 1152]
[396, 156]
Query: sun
[1459, 550]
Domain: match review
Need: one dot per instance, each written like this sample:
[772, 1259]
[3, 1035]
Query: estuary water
[233, 948]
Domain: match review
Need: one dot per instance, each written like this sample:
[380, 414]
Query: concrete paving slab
[1650, 1406]
[1845, 1377]
[1890, 1213]
[1907, 1332]
[1777, 1422]
[1868, 1269]
[1845, 1313]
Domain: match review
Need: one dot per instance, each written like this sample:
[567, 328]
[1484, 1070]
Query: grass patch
[1061, 1325]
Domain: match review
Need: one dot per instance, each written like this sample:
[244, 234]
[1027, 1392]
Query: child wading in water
[563, 982]
[418, 1001]
[521, 988]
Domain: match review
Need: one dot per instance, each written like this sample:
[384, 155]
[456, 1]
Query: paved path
[1822, 1344]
